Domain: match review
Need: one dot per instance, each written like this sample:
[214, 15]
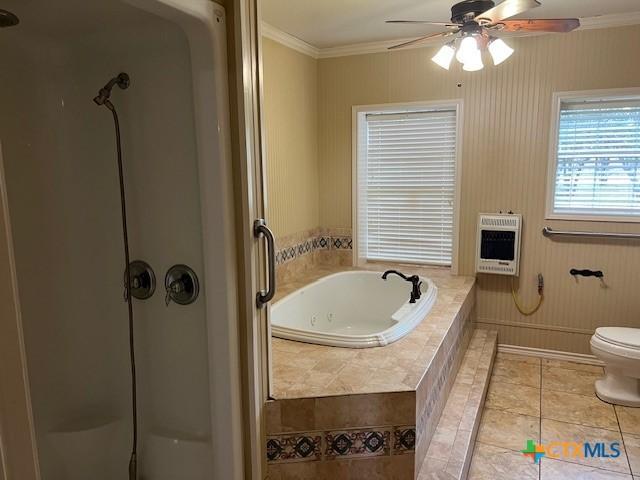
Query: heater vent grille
[498, 244]
[499, 221]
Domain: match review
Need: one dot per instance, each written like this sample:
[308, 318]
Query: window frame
[359, 113]
[552, 164]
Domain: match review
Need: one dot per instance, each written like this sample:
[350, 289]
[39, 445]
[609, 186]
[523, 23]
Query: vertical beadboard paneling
[291, 127]
[356, 80]
[507, 113]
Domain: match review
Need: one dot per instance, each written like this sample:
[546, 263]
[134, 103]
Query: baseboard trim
[550, 354]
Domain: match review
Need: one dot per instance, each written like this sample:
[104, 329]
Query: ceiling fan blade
[559, 25]
[506, 9]
[425, 22]
[421, 40]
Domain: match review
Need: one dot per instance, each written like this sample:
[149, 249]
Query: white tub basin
[351, 309]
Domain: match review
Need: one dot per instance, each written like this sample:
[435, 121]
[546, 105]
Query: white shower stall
[59, 159]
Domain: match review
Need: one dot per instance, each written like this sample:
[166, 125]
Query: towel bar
[548, 232]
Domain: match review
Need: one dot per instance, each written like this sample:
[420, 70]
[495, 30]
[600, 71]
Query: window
[405, 191]
[595, 157]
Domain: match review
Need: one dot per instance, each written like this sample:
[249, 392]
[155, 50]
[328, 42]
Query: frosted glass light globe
[467, 50]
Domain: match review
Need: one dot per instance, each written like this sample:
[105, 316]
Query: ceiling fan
[473, 23]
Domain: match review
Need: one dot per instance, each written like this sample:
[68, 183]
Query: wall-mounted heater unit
[498, 244]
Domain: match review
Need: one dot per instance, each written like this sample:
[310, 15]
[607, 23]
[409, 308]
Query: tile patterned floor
[547, 400]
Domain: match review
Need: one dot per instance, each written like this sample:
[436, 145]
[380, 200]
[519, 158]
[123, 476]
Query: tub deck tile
[307, 370]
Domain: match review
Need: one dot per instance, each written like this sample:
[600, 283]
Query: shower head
[122, 80]
[8, 19]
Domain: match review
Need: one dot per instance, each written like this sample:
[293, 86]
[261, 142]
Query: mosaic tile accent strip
[357, 443]
[309, 245]
[294, 448]
[341, 444]
[404, 440]
[342, 243]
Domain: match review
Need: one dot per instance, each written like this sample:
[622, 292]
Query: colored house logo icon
[533, 450]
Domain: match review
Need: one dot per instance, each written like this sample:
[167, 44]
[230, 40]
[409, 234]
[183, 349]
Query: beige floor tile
[434, 469]
[632, 444]
[518, 358]
[466, 374]
[566, 380]
[455, 469]
[553, 431]
[513, 398]
[629, 419]
[557, 470]
[508, 430]
[578, 409]
[584, 367]
[518, 372]
[442, 444]
[462, 450]
[494, 463]
[455, 407]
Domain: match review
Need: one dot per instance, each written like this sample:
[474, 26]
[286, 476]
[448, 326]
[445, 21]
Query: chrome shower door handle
[260, 229]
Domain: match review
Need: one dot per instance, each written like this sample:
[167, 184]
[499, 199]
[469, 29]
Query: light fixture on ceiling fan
[476, 21]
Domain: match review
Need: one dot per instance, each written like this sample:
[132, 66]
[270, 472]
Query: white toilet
[619, 349]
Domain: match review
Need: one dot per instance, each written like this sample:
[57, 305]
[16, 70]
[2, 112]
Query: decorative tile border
[404, 440]
[322, 242]
[357, 443]
[341, 243]
[340, 444]
[294, 448]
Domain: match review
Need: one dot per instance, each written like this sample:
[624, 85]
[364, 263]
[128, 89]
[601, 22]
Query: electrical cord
[521, 309]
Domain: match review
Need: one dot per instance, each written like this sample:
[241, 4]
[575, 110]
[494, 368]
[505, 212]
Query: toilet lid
[626, 337]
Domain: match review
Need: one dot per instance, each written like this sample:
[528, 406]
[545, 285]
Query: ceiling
[334, 23]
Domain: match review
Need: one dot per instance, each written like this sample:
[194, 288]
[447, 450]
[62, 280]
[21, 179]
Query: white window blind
[407, 171]
[598, 158]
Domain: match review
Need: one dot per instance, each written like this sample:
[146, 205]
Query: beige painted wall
[507, 113]
[291, 131]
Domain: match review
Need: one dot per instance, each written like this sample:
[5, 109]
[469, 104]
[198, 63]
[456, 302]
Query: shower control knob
[142, 281]
[181, 284]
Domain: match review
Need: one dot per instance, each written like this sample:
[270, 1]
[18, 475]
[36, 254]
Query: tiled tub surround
[354, 400]
[451, 448]
[305, 370]
[314, 248]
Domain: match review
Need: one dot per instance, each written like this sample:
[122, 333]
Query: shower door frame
[251, 184]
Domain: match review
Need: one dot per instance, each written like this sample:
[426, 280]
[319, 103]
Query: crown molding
[269, 31]
[277, 35]
[371, 47]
